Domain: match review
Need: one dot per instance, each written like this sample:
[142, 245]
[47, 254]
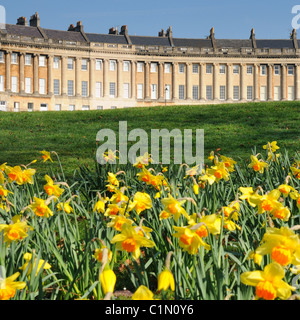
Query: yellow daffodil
[281, 212]
[119, 197]
[131, 241]
[98, 255]
[247, 193]
[211, 156]
[271, 146]
[141, 202]
[20, 177]
[15, 231]
[267, 202]
[232, 210]
[143, 161]
[40, 264]
[118, 221]
[285, 189]
[257, 165]
[110, 156]
[296, 172]
[112, 180]
[143, 293]
[51, 188]
[269, 284]
[296, 196]
[229, 163]
[165, 280]
[99, 206]
[210, 178]
[257, 258]
[40, 208]
[4, 192]
[219, 171]
[189, 240]
[282, 244]
[113, 210]
[64, 206]
[9, 286]
[2, 178]
[108, 280]
[46, 156]
[174, 207]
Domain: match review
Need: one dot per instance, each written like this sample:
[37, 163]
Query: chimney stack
[35, 20]
[22, 21]
[252, 37]
[113, 31]
[162, 33]
[294, 38]
[124, 30]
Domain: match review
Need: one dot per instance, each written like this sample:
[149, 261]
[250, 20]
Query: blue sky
[189, 19]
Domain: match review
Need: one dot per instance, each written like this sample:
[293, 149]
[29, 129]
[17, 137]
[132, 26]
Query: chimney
[113, 31]
[169, 34]
[124, 32]
[212, 37]
[252, 37]
[162, 33]
[35, 20]
[22, 21]
[294, 38]
[79, 27]
[71, 27]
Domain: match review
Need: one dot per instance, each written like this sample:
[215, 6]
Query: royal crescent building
[52, 70]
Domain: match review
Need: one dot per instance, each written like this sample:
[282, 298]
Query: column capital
[22, 54]
[8, 51]
[284, 65]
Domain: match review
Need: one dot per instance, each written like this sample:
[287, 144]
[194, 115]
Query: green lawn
[235, 128]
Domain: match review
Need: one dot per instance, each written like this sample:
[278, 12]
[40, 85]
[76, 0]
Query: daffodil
[9, 286]
[34, 264]
[15, 231]
[143, 293]
[285, 189]
[118, 197]
[174, 207]
[295, 195]
[271, 146]
[189, 240]
[99, 206]
[269, 284]
[40, 208]
[267, 202]
[296, 172]
[229, 163]
[2, 178]
[118, 221]
[98, 255]
[219, 171]
[113, 210]
[141, 202]
[281, 212]
[257, 258]
[46, 156]
[51, 188]
[20, 177]
[64, 206]
[131, 240]
[257, 165]
[143, 161]
[165, 280]
[110, 156]
[108, 280]
[4, 192]
[247, 193]
[282, 244]
[112, 180]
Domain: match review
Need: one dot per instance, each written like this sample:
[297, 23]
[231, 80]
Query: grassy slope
[234, 128]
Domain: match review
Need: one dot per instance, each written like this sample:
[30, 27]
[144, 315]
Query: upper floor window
[153, 67]
[84, 64]
[98, 64]
[195, 68]
[222, 69]
[181, 68]
[209, 68]
[27, 59]
[277, 70]
[42, 61]
[56, 62]
[112, 65]
[249, 69]
[14, 58]
[290, 70]
[263, 70]
[70, 63]
[1, 56]
[140, 67]
[167, 67]
[236, 69]
[126, 65]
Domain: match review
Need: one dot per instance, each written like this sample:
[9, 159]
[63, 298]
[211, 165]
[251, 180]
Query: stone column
[49, 80]
[119, 78]
[63, 76]
[77, 77]
[243, 96]
[91, 77]
[256, 82]
[297, 82]
[22, 75]
[7, 71]
[174, 81]
[36, 73]
[133, 79]
[105, 78]
[160, 81]
[283, 82]
[202, 84]
[147, 80]
[188, 81]
[215, 81]
[229, 82]
[270, 84]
